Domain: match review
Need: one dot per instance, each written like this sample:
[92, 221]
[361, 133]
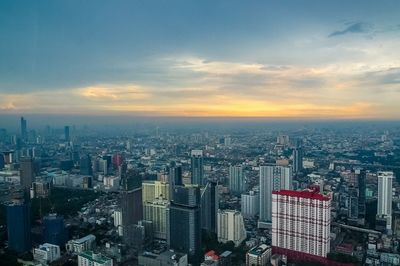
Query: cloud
[358, 27]
[112, 92]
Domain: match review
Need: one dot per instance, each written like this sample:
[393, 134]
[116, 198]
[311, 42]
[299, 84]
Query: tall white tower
[271, 178]
[385, 180]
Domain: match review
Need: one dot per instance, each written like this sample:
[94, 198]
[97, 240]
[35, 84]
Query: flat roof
[308, 194]
[90, 255]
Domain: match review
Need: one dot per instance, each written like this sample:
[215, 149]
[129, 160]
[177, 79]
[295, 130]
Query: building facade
[301, 222]
[197, 167]
[185, 222]
[259, 256]
[236, 179]
[250, 204]
[272, 178]
[385, 197]
[231, 227]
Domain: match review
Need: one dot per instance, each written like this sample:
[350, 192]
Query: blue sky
[201, 58]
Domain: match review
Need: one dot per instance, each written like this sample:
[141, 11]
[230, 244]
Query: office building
[361, 182]
[80, 245]
[19, 226]
[66, 133]
[27, 173]
[209, 207]
[185, 222]
[250, 204]
[259, 256]
[236, 179]
[2, 161]
[231, 227]
[54, 230]
[271, 178]
[89, 258]
[158, 213]
[85, 165]
[24, 129]
[132, 210]
[297, 159]
[46, 253]
[385, 197]
[301, 223]
[174, 177]
[197, 167]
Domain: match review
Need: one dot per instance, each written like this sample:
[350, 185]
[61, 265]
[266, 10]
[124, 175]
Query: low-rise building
[258, 256]
[46, 253]
[89, 258]
[79, 245]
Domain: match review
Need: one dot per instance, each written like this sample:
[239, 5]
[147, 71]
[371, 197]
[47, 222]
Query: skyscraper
[185, 221]
[250, 204]
[132, 211]
[361, 176]
[54, 230]
[209, 207]
[85, 165]
[158, 213]
[301, 223]
[297, 159]
[66, 133]
[271, 178]
[27, 173]
[19, 226]
[197, 167]
[174, 177]
[385, 195]
[236, 179]
[231, 227]
[24, 130]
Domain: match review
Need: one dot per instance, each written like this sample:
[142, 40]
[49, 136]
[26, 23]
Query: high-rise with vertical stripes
[301, 223]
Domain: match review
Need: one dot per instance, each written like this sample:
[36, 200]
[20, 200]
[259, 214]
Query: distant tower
[185, 222]
[66, 133]
[19, 226]
[385, 197]
[24, 130]
[85, 165]
[361, 176]
[197, 167]
[236, 179]
[27, 174]
[272, 178]
[174, 177]
[209, 207]
[297, 159]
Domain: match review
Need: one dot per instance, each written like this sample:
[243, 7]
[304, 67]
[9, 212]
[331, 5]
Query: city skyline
[274, 59]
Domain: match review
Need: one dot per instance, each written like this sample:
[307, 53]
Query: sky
[279, 59]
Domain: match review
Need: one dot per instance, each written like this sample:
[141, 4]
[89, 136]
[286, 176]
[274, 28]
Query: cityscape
[253, 193]
[203, 133]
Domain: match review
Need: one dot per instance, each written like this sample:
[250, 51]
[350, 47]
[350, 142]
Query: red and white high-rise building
[301, 222]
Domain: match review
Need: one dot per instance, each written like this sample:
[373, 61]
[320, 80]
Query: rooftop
[308, 194]
[257, 251]
[90, 255]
